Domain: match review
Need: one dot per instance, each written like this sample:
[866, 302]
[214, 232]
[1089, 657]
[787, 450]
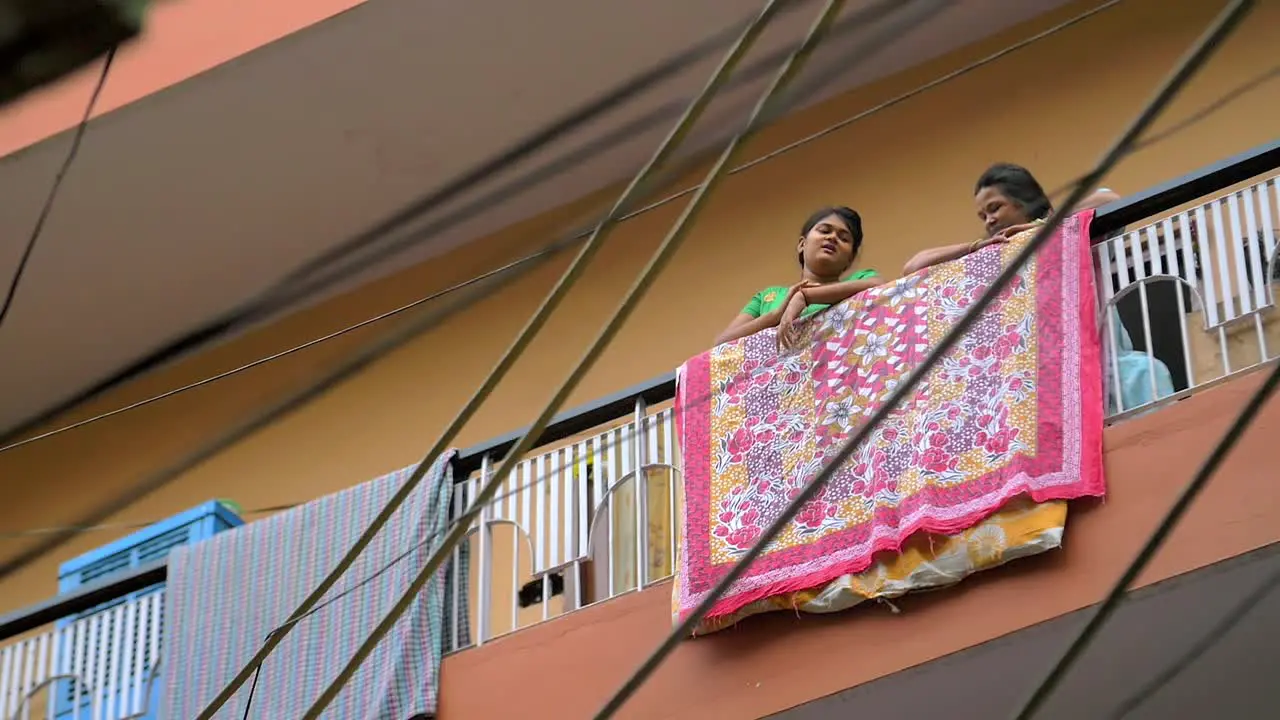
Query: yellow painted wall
[909, 170]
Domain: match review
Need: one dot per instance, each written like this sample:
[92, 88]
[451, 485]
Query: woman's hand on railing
[788, 335]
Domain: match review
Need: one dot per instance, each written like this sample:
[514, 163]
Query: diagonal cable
[670, 244]
[1186, 68]
[594, 148]
[285, 292]
[1220, 629]
[365, 357]
[571, 275]
[1044, 689]
[7, 304]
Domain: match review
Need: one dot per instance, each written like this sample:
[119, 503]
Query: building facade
[1053, 106]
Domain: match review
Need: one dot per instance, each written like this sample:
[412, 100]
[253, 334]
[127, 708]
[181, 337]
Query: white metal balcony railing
[1191, 291]
[569, 518]
[101, 667]
[1193, 294]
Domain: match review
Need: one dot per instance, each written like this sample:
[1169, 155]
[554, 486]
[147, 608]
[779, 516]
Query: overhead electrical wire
[292, 288]
[588, 151]
[304, 282]
[71, 530]
[81, 128]
[1044, 689]
[1197, 115]
[624, 435]
[1185, 69]
[634, 191]
[1249, 602]
[354, 364]
[767, 106]
[869, 13]
[1221, 629]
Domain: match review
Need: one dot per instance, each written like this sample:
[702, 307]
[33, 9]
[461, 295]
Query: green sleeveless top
[770, 298]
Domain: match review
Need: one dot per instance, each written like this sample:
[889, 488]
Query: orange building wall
[909, 170]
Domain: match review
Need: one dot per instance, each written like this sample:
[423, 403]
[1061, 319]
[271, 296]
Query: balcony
[1185, 275]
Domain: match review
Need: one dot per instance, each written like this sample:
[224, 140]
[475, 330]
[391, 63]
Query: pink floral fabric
[1015, 410]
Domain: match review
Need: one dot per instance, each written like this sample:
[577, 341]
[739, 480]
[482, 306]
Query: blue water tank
[144, 546]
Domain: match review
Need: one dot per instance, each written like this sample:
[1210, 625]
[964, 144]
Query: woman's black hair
[1019, 185]
[847, 214]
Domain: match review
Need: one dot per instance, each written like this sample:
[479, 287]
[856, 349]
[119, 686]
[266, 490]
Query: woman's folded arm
[833, 293]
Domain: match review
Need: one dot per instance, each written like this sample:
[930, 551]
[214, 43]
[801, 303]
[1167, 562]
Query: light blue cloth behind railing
[1135, 370]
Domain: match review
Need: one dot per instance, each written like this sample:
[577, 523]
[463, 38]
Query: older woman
[826, 250]
[1009, 200]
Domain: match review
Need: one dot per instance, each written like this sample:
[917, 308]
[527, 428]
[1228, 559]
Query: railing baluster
[654, 458]
[1111, 344]
[79, 663]
[484, 566]
[539, 536]
[582, 511]
[554, 531]
[135, 631]
[6, 662]
[42, 659]
[1180, 270]
[1216, 297]
[1257, 263]
[114, 685]
[517, 481]
[99, 675]
[608, 477]
[1268, 236]
[640, 485]
[1221, 241]
[1140, 277]
[57, 659]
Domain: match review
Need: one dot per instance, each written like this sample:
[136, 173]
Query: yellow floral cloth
[926, 562]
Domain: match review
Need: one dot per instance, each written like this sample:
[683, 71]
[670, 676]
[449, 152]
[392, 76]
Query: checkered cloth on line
[226, 594]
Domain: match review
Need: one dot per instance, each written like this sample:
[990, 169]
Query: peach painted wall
[770, 663]
[1053, 106]
[182, 38]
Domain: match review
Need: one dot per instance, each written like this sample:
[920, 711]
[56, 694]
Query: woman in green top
[827, 247]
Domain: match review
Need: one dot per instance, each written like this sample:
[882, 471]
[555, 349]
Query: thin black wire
[588, 151]
[1187, 66]
[1220, 630]
[1178, 667]
[357, 362]
[292, 288]
[625, 435]
[1202, 114]
[384, 569]
[45, 211]
[1234, 617]
[1194, 118]
[871, 12]
[771, 104]
[1154, 542]
[248, 703]
[642, 183]
[366, 356]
